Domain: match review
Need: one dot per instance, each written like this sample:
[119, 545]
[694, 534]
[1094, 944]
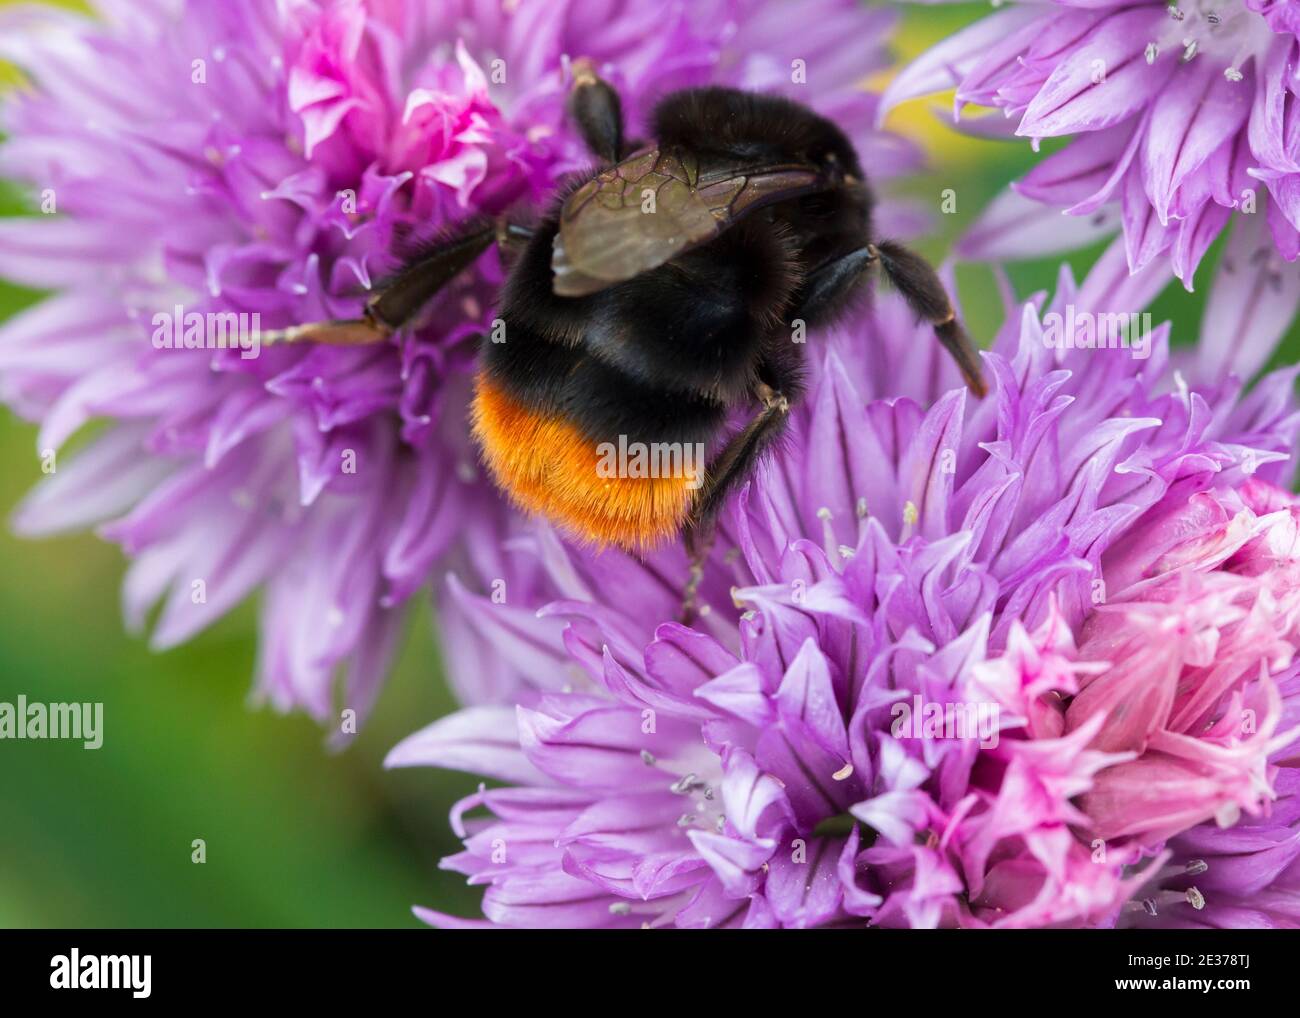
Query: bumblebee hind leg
[596, 110]
[400, 298]
[699, 542]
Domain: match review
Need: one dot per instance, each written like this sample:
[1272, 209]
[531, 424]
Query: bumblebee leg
[597, 111]
[740, 454]
[699, 542]
[400, 298]
[731, 466]
[341, 332]
[921, 287]
[829, 285]
[512, 237]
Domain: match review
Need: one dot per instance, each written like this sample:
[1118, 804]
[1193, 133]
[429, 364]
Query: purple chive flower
[795, 757]
[265, 158]
[1181, 115]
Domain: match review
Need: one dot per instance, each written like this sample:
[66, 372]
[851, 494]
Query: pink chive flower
[1193, 642]
[1241, 874]
[1246, 876]
[253, 157]
[1187, 675]
[1181, 119]
[777, 763]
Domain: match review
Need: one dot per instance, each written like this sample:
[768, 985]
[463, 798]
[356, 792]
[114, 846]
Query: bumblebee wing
[630, 218]
[652, 207]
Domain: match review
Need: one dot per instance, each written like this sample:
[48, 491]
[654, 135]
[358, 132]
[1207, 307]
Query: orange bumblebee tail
[547, 466]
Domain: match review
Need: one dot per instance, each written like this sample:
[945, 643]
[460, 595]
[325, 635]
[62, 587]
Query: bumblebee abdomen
[615, 491]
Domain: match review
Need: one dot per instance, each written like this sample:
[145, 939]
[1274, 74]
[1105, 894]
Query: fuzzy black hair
[727, 123]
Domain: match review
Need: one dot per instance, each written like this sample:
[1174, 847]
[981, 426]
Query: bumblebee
[655, 307]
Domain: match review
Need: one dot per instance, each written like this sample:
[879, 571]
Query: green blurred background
[297, 836]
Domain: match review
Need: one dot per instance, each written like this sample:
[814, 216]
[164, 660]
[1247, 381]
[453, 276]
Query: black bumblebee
[655, 299]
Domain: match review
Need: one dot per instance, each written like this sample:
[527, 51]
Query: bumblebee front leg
[829, 286]
[914, 278]
[731, 465]
[597, 112]
[920, 286]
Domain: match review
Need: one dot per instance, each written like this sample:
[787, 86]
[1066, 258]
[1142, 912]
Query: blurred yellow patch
[9, 74]
[928, 120]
